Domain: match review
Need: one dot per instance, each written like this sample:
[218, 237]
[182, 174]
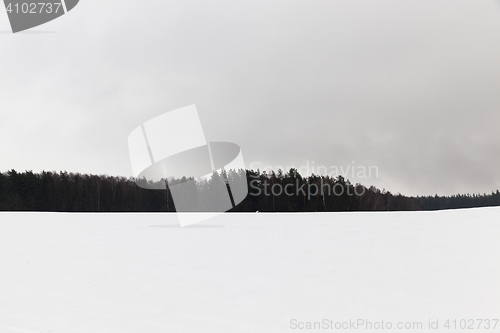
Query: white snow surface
[140, 273]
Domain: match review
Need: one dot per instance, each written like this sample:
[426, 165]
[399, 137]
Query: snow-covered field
[67, 273]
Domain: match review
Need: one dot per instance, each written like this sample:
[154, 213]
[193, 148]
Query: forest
[268, 192]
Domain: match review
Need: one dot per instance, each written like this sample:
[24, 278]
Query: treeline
[268, 192]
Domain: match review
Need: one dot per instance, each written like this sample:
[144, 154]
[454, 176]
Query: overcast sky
[412, 87]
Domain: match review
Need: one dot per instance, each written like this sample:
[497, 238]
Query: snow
[68, 273]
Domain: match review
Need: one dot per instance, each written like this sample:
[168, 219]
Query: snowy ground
[254, 273]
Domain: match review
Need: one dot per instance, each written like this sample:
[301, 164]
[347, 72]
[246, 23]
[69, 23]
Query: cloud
[411, 87]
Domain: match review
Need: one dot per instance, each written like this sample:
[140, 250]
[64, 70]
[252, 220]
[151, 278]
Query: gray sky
[412, 87]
